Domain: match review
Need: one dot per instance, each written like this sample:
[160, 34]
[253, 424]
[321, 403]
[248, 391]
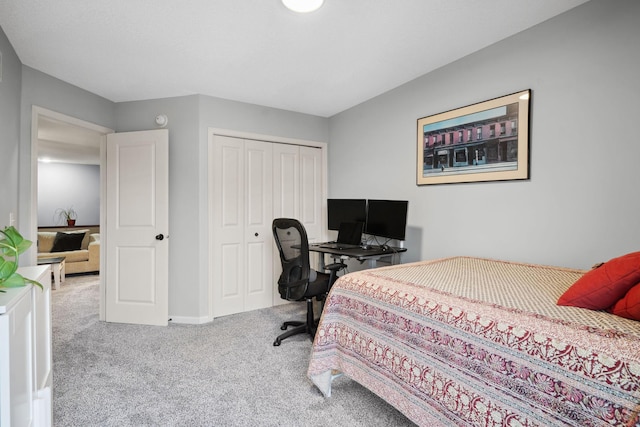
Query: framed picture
[488, 141]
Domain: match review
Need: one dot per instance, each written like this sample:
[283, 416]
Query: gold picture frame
[487, 141]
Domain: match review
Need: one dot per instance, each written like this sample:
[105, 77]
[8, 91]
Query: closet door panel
[259, 214]
[231, 274]
[232, 217]
[259, 291]
[311, 192]
[286, 198]
[228, 220]
[286, 182]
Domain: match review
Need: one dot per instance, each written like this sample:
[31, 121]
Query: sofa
[79, 247]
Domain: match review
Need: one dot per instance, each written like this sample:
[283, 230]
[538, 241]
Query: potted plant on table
[12, 244]
[69, 215]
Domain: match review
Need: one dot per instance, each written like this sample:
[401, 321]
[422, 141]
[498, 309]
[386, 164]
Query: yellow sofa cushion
[69, 256]
[45, 240]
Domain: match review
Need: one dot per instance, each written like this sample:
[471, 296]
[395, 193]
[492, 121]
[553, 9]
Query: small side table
[57, 268]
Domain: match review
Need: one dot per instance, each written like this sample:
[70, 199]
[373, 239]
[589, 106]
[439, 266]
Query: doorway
[64, 138]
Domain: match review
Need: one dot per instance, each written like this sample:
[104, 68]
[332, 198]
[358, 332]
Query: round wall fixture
[162, 120]
[303, 6]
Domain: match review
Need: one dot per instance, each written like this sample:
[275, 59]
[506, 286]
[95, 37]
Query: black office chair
[298, 281]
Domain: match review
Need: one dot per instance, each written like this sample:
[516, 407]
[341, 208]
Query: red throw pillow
[629, 305]
[602, 287]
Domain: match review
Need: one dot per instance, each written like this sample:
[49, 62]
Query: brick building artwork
[485, 140]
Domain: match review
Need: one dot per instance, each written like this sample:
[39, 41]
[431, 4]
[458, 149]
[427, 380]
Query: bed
[472, 341]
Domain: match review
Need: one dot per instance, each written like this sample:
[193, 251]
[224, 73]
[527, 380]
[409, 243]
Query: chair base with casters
[308, 326]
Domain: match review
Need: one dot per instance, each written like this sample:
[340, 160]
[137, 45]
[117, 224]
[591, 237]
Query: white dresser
[25, 352]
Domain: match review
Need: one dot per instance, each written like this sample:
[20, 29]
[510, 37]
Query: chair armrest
[336, 266]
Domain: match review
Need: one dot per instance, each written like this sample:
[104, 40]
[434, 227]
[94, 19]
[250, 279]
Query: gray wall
[581, 204]
[9, 130]
[64, 185]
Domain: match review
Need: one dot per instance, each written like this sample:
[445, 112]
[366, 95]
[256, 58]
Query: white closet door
[286, 181]
[297, 186]
[227, 221]
[311, 192]
[257, 230]
[297, 193]
[241, 225]
[250, 183]
[286, 198]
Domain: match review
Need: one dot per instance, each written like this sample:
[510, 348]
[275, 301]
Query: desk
[372, 255]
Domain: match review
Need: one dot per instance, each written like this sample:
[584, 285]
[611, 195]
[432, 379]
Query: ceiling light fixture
[303, 6]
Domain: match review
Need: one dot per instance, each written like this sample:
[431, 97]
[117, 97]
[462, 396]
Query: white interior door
[137, 223]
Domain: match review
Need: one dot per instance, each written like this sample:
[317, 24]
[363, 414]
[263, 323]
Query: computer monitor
[387, 218]
[345, 210]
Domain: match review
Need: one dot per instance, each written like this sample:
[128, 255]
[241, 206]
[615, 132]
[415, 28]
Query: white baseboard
[189, 320]
[42, 408]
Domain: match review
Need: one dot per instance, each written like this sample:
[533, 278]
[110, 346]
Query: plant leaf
[12, 233]
[7, 248]
[33, 282]
[8, 244]
[12, 245]
[23, 246]
[7, 269]
[13, 281]
[16, 240]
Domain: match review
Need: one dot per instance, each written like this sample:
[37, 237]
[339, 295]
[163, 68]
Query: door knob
[160, 237]
[256, 234]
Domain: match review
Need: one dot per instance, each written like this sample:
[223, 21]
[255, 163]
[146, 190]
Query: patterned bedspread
[469, 341]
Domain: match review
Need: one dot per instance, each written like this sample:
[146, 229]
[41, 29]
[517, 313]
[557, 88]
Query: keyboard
[338, 246]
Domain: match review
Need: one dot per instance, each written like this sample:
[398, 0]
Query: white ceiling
[257, 51]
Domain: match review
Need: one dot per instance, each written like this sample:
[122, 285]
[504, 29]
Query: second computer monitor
[345, 210]
[387, 218]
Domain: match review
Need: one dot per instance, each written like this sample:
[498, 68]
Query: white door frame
[259, 137]
[36, 113]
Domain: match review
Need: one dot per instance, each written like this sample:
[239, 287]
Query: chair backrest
[293, 245]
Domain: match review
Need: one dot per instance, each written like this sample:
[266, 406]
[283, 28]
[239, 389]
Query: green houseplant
[69, 215]
[12, 245]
